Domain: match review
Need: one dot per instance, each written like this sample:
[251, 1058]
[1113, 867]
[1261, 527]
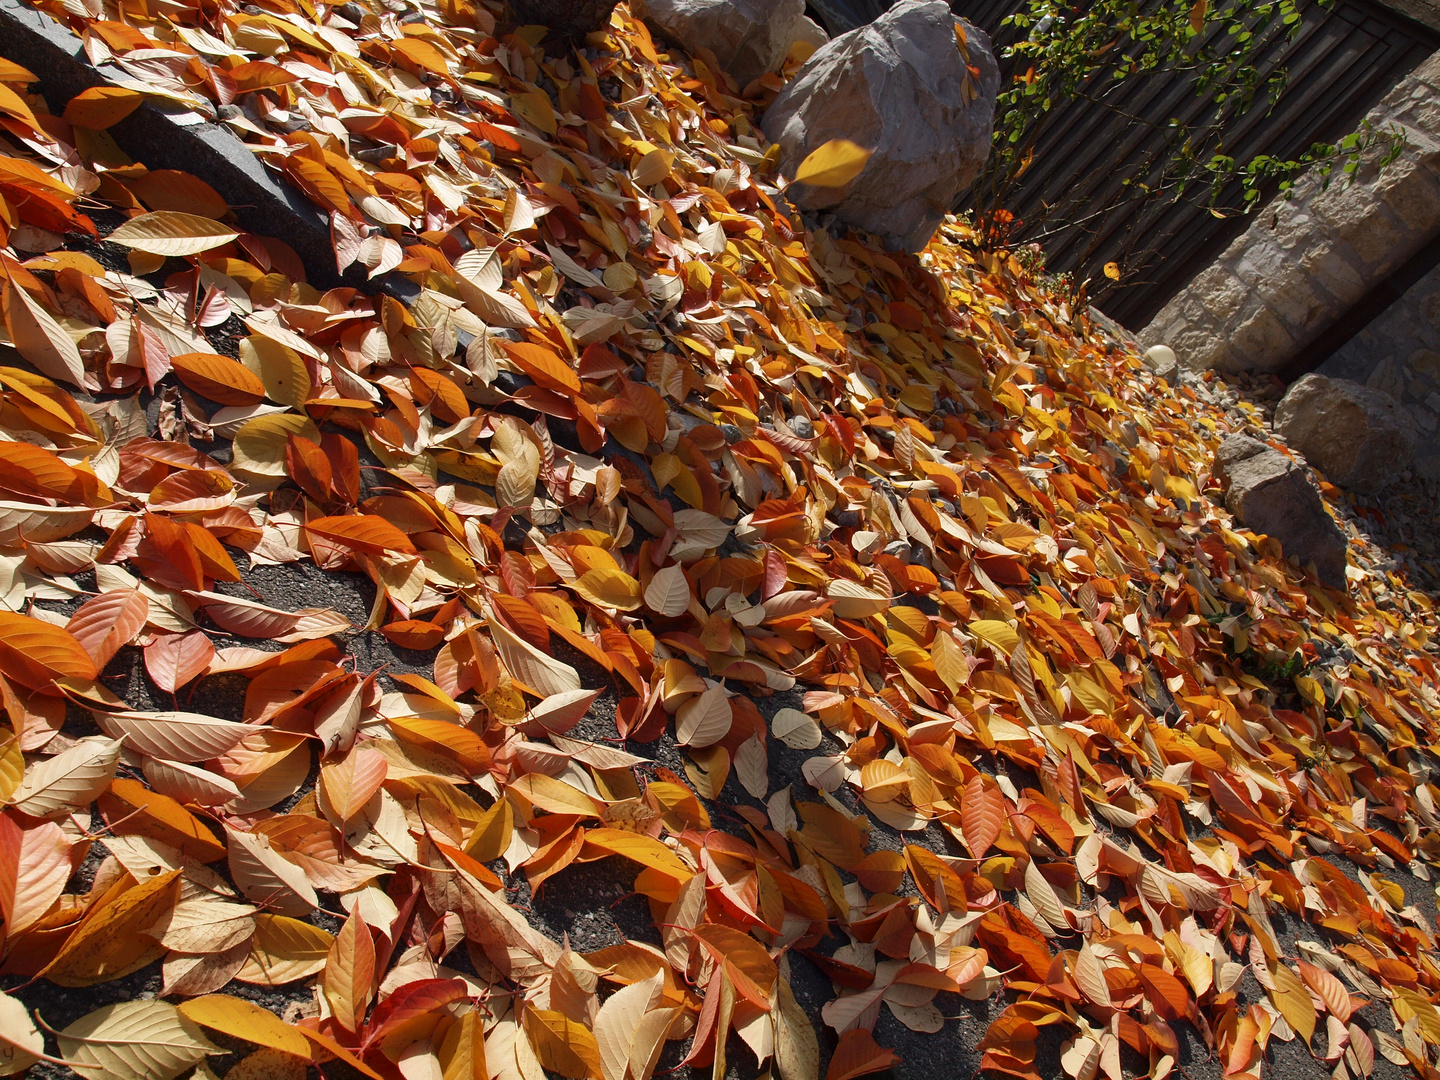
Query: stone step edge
[264, 203]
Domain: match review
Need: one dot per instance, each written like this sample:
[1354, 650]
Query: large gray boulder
[1358, 437]
[749, 37]
[1271, 494]
[902, 87]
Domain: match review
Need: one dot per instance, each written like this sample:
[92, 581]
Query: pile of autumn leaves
[639, 416]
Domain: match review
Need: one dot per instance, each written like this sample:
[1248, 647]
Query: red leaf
[425, 996]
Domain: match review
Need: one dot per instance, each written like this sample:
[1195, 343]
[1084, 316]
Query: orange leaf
[193, 491]
[130, 809]
[366, 533]
[33, 470]
[422, 54]
[982, 812]
[941, 886]
[171, 554]
[349, 783]
[100, 107]
[1165, 991]
[329, 1046]
[218, 378]
[349, 975]
[309, 467]
[858, 1055]
[1330, 989]
[320, 184]
[35, 653]
[746, 962]
[169, 189]
[543, 366]
[215, 561]
[34, 866]
[413, 634]
[467, 747]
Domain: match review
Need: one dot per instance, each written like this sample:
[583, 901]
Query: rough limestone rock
[749, 37]
[811, 32]
[1271, 494]
[1358, 437]
[572, 18]
[901, 86]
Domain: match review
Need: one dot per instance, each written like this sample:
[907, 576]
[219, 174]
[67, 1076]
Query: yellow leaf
[39, 338]
[833, 165]
[652, 168]
[20, 1040]
[12, 763]
[604, 587]
[279, 367]
[534, 107]
[554, 796]
[492, 833]
[1311, 690]
[139, 1040]
[462, 1052]
[110, 942]
[284, 950]
[642, 849]
[245, 1020]
[1293, 1001]
[259, 446]
[999, 635]
[169, 232]
[563, 1045]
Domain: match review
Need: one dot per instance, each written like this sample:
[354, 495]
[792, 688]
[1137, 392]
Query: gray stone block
[900, 87]
[1305, 261]
[263, 203]
[1260, 343]
[1358, 437]
[750, 38]
[1271, 494]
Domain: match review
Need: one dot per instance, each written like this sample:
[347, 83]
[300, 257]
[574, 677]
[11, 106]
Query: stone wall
[1399, 353]
[1306, 260]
